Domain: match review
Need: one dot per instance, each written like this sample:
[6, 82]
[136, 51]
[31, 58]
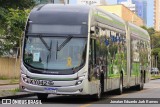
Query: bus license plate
[50, 90]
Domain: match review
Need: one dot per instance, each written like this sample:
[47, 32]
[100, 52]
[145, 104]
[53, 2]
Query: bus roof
[63, 7]
[78, 15]
[55, 14]
[110, 19]
[140, 32]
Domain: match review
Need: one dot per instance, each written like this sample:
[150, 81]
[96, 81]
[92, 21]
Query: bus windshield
[54, 53]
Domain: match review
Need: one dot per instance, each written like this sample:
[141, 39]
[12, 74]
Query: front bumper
[66, 90]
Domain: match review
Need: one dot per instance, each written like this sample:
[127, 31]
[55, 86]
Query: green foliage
[155, 43]
[13, 15]
[144, 27]
[15, 21]
[150, 30]
[155, 77]
[155, 51]
[17, 4]
[13, 26]
[155, 40]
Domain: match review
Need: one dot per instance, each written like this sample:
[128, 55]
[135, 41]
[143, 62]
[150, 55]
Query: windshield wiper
[49, 55]
[45, 44]
[49, 48]
[57, 50]
[69, 37]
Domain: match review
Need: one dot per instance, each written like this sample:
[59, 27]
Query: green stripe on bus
[115, 22]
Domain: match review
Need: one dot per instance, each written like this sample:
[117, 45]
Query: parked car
[154, 71]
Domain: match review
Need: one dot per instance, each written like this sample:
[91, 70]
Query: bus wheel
[42, 96]
[102, 84]
[141, 85]
[120, 90]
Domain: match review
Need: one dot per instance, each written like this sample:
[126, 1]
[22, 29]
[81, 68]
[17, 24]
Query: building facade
[145, 11]
[157, 15]
[125, 13]
[92, 2]
[137, 6]
[130, 5]
[141, 8]
[119, 1]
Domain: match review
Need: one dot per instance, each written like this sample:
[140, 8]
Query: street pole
[152, 61]
[156, 60]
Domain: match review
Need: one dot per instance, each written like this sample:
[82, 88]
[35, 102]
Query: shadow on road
[87, 98]
[69, 99]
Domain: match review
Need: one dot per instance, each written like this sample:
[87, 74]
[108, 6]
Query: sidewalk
[10, 89]
[9, 82]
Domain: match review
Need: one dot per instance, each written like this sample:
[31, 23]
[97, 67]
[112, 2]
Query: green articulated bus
[82, 50]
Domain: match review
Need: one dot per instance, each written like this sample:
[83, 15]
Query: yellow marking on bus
[69, 61]
[85, 105]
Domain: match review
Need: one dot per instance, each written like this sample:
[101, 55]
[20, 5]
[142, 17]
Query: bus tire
[120, 90]
[102, 83]
[141, 84]
[42, 96]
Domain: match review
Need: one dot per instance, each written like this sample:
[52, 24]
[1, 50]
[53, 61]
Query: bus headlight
[80, 79]
[78, 82]
[25, 79]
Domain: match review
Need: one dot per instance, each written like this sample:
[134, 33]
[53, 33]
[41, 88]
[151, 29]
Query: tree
[13, 15]
[155, 40]
[155, 43]
[150, 30]
[17, 4]
[14, 26]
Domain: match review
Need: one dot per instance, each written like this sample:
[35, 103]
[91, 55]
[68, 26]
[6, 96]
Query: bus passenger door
[92, 61]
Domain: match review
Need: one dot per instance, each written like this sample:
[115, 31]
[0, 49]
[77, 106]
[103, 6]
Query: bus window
[92, 59]
[92, 52]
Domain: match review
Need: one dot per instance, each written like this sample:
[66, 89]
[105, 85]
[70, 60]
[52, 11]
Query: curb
[9, 84]
[18, 96]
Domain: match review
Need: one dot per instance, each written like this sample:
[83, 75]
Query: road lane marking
[85, 105]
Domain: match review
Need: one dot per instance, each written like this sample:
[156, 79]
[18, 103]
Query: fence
[9, 68]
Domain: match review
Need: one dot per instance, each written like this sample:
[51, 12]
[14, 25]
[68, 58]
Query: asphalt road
[151, 90]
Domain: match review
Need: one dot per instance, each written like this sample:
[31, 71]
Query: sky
[150, 8]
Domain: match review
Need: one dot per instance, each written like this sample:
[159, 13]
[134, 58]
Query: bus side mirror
[92, 30]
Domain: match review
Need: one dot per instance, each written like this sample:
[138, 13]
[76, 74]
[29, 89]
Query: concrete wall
[9, 67]
[124, 13]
